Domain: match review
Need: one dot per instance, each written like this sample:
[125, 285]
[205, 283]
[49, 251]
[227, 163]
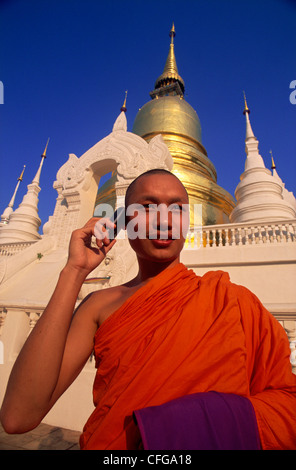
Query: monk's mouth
[159, 243]
[160, 236]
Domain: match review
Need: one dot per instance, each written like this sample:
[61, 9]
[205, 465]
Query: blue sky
[65, 66]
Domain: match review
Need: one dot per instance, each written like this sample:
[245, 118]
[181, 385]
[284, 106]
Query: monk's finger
[100, 231]
[105, 248]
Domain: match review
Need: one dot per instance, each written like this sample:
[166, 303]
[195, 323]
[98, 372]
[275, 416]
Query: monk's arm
[59, 344]
[41, 372]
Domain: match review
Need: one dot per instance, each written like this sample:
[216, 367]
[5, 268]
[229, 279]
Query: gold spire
[172, 33]
[22, 174]
[123, 107]
[273, 167]
[44, 153]
[36, 180]
[170, 67]
[6, 215]
[246, 110]
[170, 72]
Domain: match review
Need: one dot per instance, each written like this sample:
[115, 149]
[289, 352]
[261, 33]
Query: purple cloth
[201, 421]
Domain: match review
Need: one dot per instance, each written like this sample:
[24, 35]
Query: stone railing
[215, 236]
[10, 249]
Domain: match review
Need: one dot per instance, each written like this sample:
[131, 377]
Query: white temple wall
[269, 271]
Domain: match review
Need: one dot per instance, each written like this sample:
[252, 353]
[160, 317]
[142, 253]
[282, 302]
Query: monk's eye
[177, 208]
[139, 208]
[151, 207]
[134, 209]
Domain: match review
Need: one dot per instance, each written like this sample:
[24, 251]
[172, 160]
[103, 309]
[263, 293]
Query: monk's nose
[164, 218]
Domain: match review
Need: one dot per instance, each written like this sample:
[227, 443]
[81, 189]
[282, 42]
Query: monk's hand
[89, 245]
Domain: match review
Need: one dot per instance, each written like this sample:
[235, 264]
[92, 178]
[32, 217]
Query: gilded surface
[171, 116]
[180, 127]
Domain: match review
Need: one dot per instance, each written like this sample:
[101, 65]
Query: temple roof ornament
[249, 131]
[36, 180]
[24, 222]
[123, 107]
[9, 209]
[254, 159]
[273, 167]
[170, 75]
[287, 195]
[169, 114]
[260, 194]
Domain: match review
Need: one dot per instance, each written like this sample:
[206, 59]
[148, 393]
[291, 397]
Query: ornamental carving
[3, 263]
[131, 154]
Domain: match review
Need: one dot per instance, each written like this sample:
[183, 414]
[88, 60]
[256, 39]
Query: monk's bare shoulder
[104, 302]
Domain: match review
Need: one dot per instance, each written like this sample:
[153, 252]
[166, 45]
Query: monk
[174, 350]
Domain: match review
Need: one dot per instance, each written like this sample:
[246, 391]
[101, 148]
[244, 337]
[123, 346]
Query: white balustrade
[214, 236]
[10, 249]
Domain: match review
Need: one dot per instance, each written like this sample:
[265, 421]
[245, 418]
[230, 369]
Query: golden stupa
[169, 114]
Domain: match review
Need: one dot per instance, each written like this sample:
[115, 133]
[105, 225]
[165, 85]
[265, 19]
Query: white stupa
[287, 195]
[23, 224]
[260, 195]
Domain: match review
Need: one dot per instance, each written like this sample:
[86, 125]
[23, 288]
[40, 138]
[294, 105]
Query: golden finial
[172, 34]
[44, 153]
[170, 73]
[22, 174]
[273, 167]
[123, 107]
[246, 110]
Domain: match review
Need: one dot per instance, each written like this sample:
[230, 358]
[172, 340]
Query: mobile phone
[117, 218]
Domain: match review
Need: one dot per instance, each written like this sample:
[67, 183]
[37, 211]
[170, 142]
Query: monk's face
[158, 208]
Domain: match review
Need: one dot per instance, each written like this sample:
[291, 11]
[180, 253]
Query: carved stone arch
[101, 167]
[78, 179]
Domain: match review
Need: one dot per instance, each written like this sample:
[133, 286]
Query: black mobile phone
[117, 218]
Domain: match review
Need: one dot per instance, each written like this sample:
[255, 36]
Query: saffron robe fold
[182, 334]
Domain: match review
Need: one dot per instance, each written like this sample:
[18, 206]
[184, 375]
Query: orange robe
[182, 334]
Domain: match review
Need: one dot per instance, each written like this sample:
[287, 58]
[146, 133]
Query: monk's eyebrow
[153, 200]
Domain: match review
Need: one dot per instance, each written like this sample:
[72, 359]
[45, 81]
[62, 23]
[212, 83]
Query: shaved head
[157, 216]
[149, 173]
